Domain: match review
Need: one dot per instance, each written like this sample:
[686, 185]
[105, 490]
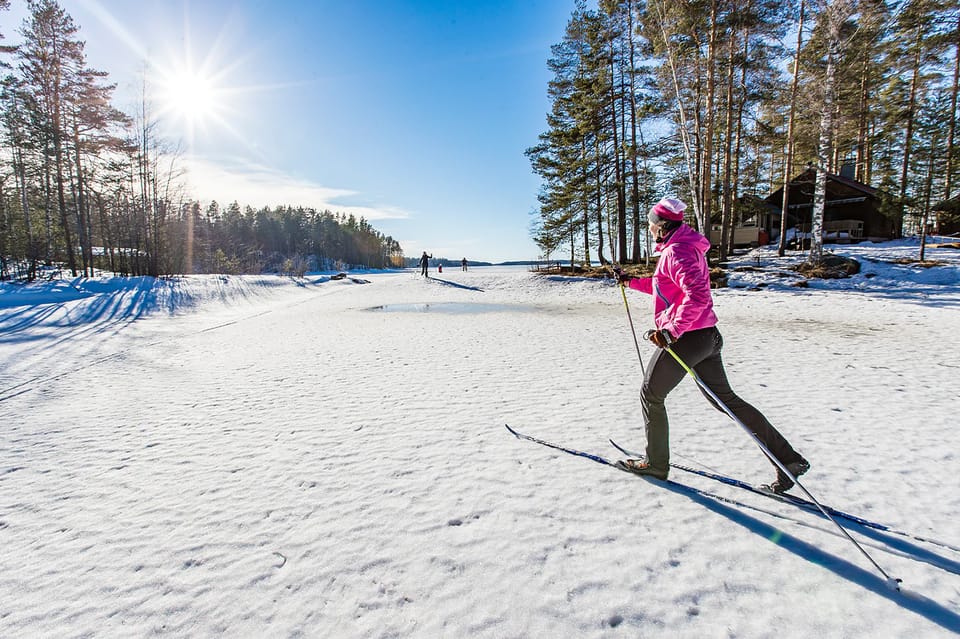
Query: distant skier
[424, 263]
[685, 322]
[463, 264]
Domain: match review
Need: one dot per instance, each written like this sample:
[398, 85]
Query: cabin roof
[838, 187]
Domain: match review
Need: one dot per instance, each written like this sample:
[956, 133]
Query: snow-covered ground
[264, 457]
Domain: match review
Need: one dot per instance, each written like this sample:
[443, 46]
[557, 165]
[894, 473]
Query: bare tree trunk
[908, 134]
[146, 183]
[21, 180]
[586, 204]
[741, 107]
[599, 202]
[4, 233]
[83, 217]
[951, 130]
[106, 232]
[788, 167]
[862, 107]
[708, 134]
[61, 195]
[618, 173]
[47, 207]
[633, 137]
[726, 227]
[820, 183]
[688, 154]
[928, 195]
[836, 15]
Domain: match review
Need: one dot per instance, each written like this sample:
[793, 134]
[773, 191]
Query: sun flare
[191, 96]
[201, 96]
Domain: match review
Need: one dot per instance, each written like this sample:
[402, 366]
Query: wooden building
[946, 217]
[851, 212]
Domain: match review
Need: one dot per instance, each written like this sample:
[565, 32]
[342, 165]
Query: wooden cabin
[851, 212]
[946, 217]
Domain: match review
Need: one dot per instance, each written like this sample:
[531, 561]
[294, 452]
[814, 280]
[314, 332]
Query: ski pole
[891, 582]
[626, 305]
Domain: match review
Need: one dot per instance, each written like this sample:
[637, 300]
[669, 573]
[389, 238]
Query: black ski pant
[700, 350]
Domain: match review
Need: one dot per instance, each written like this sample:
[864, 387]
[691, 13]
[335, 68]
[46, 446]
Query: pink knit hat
[668, 209]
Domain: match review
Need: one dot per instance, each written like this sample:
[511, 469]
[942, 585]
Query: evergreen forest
[722, 102]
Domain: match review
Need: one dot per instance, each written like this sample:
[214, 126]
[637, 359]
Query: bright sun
[200, 99]
[190, 96]
[195, 102]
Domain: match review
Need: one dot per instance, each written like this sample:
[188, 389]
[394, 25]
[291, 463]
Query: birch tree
[833, 16]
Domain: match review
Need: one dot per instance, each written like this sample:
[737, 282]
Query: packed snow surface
[270, 457]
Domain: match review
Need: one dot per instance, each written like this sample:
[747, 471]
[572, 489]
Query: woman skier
[686, 323]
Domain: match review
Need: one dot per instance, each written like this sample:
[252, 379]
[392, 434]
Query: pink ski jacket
[680, 283]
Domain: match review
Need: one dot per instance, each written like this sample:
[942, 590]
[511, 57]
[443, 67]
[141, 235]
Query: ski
[799, 502]
[606, 462]
[564, 449]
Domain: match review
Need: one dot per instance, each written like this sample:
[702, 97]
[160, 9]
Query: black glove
[622, 278]
[661, 337]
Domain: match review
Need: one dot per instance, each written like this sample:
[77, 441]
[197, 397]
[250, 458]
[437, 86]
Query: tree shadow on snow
[93, 309]
[924, 296]
[868, 579]
[454, 284]
[945, 297]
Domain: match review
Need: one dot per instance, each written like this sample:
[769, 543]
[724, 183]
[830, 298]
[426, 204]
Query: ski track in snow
[241, 456]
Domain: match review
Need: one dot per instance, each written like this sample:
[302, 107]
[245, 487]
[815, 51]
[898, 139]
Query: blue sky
[414, 114]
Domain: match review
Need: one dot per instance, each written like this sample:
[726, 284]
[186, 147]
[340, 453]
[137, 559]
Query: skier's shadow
[913, 601]
[915, 551]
